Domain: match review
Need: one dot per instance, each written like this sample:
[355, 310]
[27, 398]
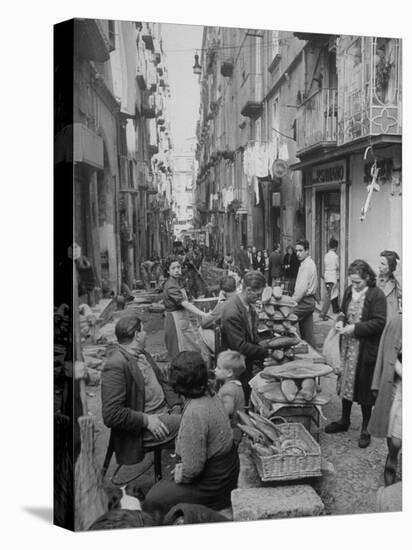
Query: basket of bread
[281, 451]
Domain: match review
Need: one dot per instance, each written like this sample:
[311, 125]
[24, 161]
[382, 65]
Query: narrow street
[350, 479]
[271, 156]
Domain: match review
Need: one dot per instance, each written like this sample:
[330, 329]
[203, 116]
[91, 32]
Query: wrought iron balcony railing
[369, 88]
[317, 121]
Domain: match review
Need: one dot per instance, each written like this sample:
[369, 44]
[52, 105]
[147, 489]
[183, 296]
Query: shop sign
[334, 172]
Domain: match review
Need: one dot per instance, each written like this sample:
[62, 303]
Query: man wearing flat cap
[138, 404]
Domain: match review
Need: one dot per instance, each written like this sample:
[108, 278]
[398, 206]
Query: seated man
[138, 405]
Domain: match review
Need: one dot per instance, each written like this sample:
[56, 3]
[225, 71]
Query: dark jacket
[236, 333]
[243, 261]
[368, 331]
[389, 348]
[255, 261]
[290, 265]
[123, 400]
[275, 266]
[260, 263]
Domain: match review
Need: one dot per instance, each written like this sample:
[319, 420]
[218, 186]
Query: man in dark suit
[243, 260]
[254, 263]
[275, 266]
[239, 325]
[138, 404]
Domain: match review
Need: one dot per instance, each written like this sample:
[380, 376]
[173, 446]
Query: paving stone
[227, 512]
[389, 499]
[275, 502]
[248, 475]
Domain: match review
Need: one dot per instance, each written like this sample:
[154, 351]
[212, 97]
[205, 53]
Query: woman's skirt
[349, 362]
[179, 333]
[395, 415]
[212, 488]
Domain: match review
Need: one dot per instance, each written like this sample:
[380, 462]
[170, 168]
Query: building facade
[117, 138]
[245, 191]
[291, 128]
[184, 175]
[348, 119]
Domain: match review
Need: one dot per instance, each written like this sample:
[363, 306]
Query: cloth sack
[331, 351]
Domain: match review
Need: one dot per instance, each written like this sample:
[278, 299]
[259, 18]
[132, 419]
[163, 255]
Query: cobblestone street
[351, 479]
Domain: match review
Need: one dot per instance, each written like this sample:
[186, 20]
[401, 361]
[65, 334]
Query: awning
[77, 143]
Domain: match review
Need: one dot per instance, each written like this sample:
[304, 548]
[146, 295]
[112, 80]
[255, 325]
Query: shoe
[364, 440]
[336, 427]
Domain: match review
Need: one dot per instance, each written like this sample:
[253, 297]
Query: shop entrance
[328, 223]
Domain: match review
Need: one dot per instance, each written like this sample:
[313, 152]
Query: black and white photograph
[224, 212]
[237, 325]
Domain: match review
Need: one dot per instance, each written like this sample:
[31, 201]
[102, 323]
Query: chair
[157, 460]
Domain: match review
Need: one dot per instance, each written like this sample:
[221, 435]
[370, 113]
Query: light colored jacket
[306, 281]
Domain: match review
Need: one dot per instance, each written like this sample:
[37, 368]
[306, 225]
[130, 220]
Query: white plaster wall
[382, 228]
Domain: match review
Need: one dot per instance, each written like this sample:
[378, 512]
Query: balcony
[148, 40]
[141, 81]
[148, 105]
[91, 38]
[316, 123]
[370, 90]
[251, 96]
[226, 68]
[312, 37]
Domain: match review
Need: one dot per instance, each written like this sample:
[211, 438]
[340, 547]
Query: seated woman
[209, 464]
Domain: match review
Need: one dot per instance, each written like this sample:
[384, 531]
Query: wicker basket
[206, 304]
[284, 467]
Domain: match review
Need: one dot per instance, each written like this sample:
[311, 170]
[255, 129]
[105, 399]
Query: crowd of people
[196, 407]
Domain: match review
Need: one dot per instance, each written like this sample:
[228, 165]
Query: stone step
[275, 502]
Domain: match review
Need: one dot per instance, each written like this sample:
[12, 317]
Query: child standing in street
[230, 366]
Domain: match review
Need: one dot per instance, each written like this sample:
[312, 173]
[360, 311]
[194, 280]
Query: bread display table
[267, 399]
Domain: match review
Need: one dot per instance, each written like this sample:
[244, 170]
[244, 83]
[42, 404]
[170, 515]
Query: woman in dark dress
[208, 465]
[180, 334]
[360, 324]
[260, 261]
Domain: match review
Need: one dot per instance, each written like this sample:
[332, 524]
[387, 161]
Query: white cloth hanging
[272, 155]
[261, 156]
[256, 188]
[284, 152]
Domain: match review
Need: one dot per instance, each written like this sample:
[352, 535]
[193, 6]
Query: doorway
[328, 223]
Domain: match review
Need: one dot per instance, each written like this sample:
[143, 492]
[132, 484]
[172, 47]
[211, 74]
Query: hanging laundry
[256, 189]
[284, 152]
[246, 161]
[272, 155]
[261, 161]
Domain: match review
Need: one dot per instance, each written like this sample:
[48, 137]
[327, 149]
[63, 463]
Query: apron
[179, 333]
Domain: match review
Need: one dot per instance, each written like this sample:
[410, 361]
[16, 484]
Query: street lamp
[197, 69]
